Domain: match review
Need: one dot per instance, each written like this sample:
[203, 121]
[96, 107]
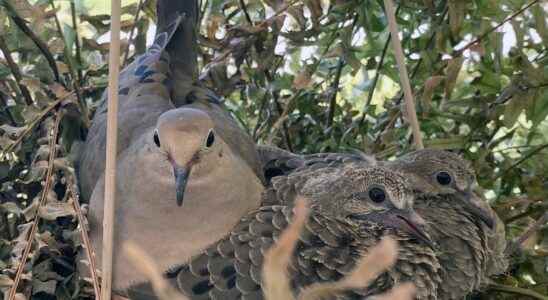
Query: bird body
[176, 142]
[344, 223]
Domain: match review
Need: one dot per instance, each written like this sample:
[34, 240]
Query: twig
[21, 23]
[526, 157]
[516, 244]
[404, 78]
[42, 202]
[376, 78]
[517, 291]
[243, 7]
[73, 189]
[68, 55]
[334, 91]
[486, 33]
[76, 41]
[15, 71]
[126, 54]
[33, 123]
[110, 167]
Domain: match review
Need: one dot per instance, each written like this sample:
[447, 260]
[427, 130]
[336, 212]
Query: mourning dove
[193, 156]
[470, 235]
[352, 207]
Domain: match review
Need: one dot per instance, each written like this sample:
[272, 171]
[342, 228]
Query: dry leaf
[302, 80]
[429, 86]
[452, 72]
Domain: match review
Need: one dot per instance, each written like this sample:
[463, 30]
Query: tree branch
[516, 244]
[76, 41]
[21, 23]
[404, 78]
[126, 54]
[334, 92]
[43, 200]
[517, 291]
[15, 71]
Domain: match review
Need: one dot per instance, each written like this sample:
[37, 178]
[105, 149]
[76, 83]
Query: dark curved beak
[415, 225]
[471, 202]
[181, 178]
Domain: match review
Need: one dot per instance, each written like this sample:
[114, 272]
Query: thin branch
[110, 167]
[486, 33]
[516, 244]
[130, 42]
[41, 203]
[243, 7]
[75, 81]
[34, 122]
[15, 71]
[517, 291]
[376, 78]
[76, 41]
[22, 24]
[334, 92]
[404, 78]
[526, 157]
[73, 189]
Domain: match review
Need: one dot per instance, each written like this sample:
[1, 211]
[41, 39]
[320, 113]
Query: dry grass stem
[145, 264]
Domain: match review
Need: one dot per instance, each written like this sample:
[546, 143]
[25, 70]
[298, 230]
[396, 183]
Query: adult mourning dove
[194, 155]
[469, 234]
[352, 207]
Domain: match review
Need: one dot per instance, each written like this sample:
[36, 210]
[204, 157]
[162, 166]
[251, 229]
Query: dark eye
[210, 138]
[443, 178]
[377, 195]
[156, 138]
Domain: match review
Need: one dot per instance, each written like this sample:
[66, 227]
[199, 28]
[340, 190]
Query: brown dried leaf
[452, 72]
[213, 25]
[302, 80]
[457, 11]
[429, 86]
[56, 209]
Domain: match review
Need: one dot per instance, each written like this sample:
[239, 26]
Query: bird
[352, 208]
[470, 235]
[179, 156]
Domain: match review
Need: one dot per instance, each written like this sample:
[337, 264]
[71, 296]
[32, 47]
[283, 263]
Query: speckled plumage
[344, 223]
[469, 251]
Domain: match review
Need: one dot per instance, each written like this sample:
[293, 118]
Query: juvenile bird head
[361, 196]
[441, 172]
[188, 139]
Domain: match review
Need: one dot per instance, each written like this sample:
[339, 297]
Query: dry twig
[110, 167]
[404, 77]
[41, 203]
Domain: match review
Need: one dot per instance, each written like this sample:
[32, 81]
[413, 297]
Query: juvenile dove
[469, 234]
[352, 207]
[193, 156]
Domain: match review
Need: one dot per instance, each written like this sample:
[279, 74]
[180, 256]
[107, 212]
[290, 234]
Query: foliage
[309, 76]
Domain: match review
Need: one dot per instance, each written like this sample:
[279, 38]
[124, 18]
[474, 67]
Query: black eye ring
[156, 139]
[377, 194]
[210, 138]
[444, 178]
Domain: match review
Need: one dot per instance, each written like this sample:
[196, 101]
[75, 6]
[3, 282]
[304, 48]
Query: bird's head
[188, 139]
[441, 172]
[361, 196]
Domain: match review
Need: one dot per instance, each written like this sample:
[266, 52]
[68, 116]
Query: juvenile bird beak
[414, 224]
[181, 178]
[471, 202]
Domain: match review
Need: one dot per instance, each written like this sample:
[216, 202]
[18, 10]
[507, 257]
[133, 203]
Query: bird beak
[414, 224]
[471, 202]
[181, 178]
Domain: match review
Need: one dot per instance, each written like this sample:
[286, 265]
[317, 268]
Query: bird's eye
[443, 178]
[156, 138]
[210, 138]
[377, 195]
